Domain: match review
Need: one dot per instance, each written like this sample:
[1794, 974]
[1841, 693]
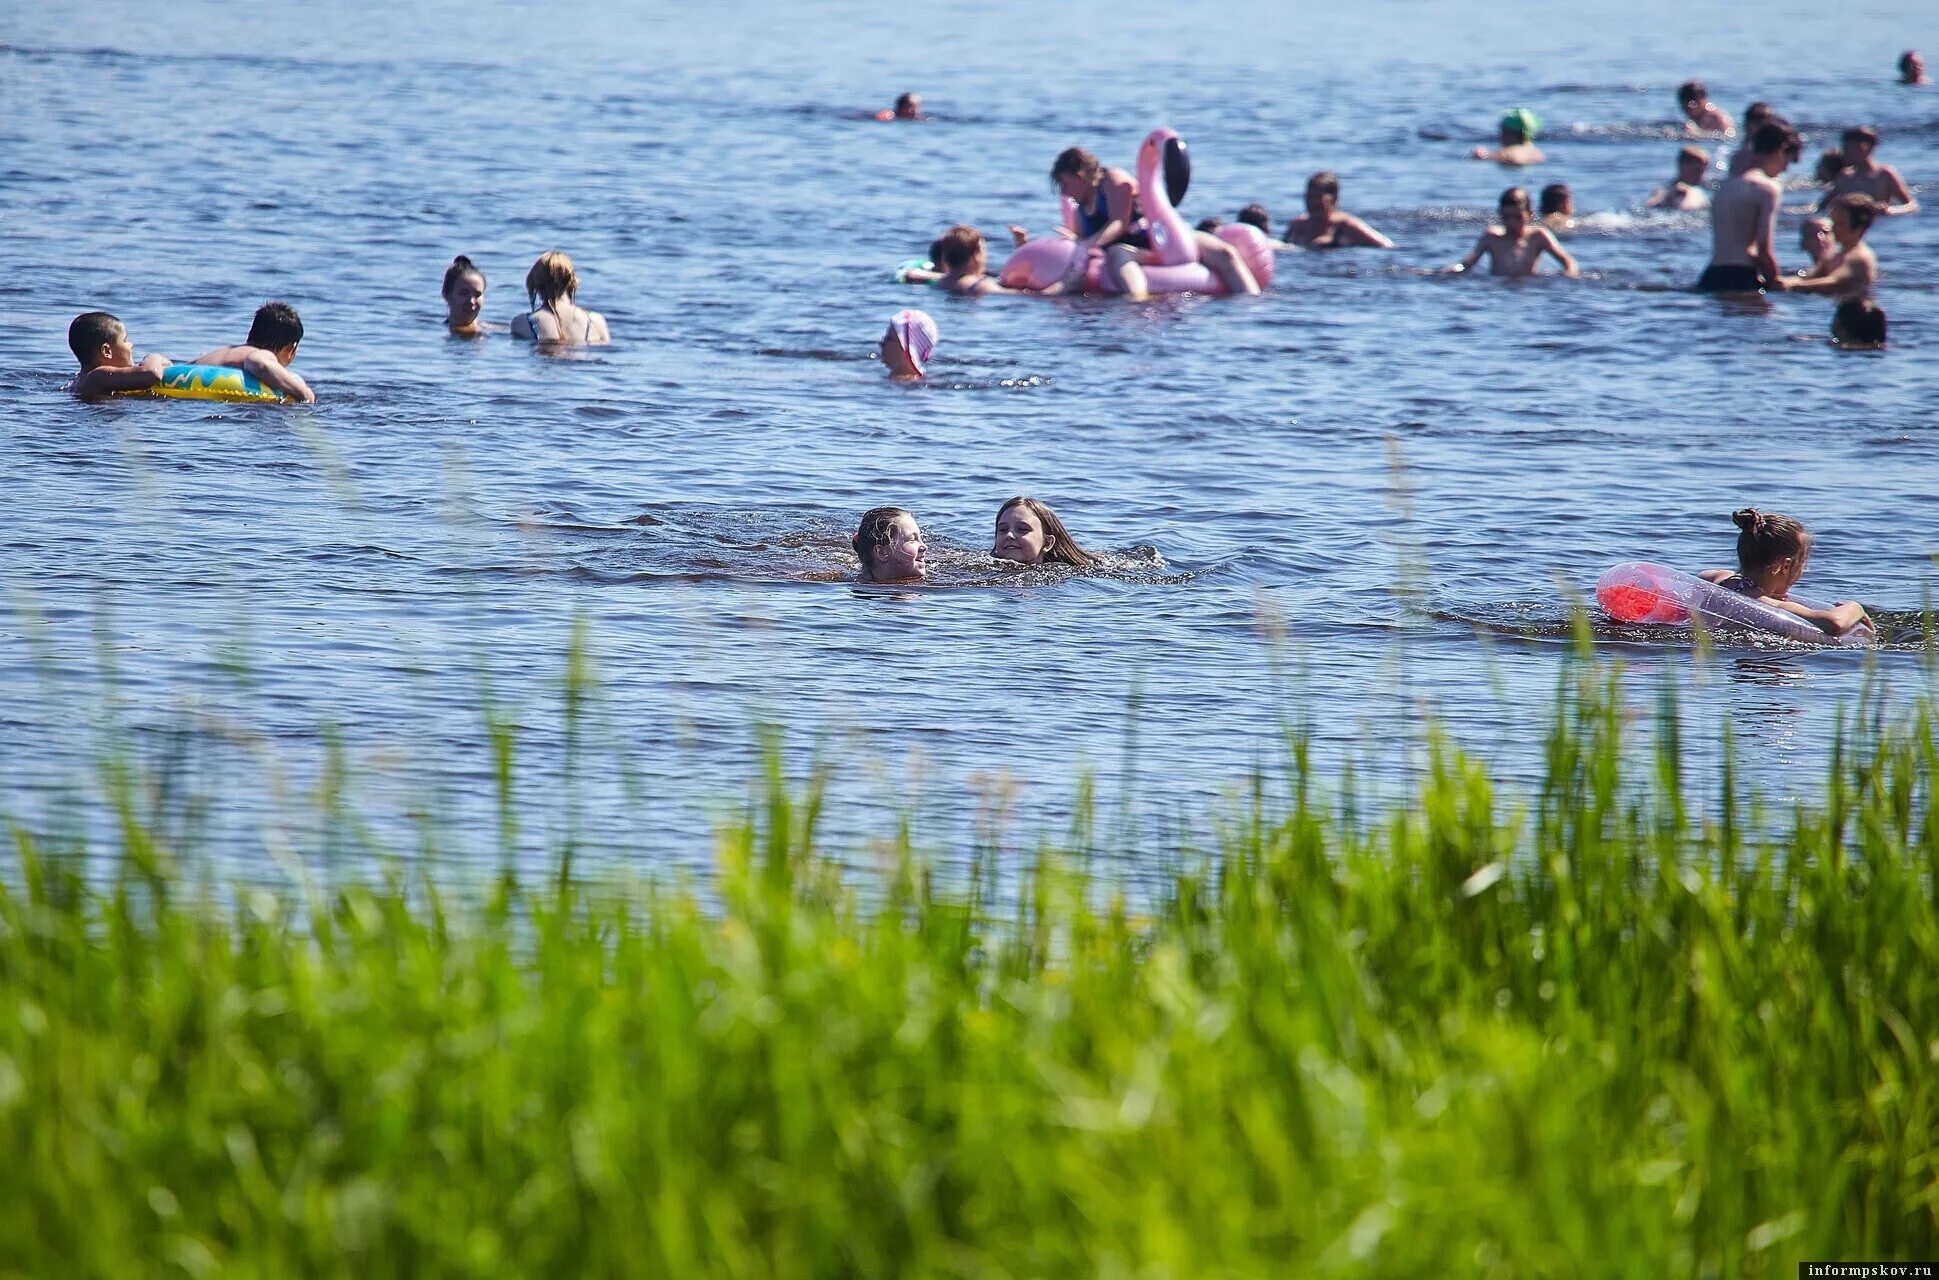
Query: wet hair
[1775, 135]
[1255, 215]
[1757, 113]
[90, 331]
[1830, 165]
[460, 267]
[551, 278]
[1764, 538]
[1697, 154]
[1692, 91]
[903, 102]
[1209, 224]
[1860, 133]
[1064, 548]
[1860, 209]
[957, 247]
[873, 533]
[1514, 195]
[1075, 162]
[276, 326]
[1858, 322]
[1326, 182]
[1554, 196]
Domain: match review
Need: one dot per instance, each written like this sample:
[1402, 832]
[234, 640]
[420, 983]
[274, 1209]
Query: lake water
[1406, 474]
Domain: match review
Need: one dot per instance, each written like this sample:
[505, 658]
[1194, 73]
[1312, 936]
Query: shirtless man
[1516, 246]
[1850, 269]
[1687, 191]
[1325, 225]
[1743, 216]
[1864, 176]
[1517, 141]
[1700, 114]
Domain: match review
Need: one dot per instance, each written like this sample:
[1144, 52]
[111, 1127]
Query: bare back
[1741, 219]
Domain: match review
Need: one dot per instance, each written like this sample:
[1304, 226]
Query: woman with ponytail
[1772, 552]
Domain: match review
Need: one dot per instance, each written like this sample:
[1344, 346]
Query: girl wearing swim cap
[1517, 140]
[907, 344]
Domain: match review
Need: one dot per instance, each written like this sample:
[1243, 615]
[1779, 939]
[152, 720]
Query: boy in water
[1256, 216]
[1516, 246]
[100, 343]
[1558, 207]
[1858, 325]
[1325, 225]
[1862, 175]
[1687, 191]
[1700, 114]
[1517, 140]
[274, 336]
[1850, 269]
[1743, 216]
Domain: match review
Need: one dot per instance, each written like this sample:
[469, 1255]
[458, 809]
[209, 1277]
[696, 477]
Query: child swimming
[907, 343]
[1517, 140]
[1686, 192]
[1772, 552]
[1558, 207]
[100, 342]
[1029, 532]
[464, 297]
[1858, 325]
[965, 262]
[889, 544]
[552, 290]
[274, 334]
[1516, 246]
[1700, 114]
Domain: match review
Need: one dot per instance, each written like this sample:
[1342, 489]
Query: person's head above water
[889, 544]
[1514, 208]
[1691, 162]
[1322, 193]
[1776, 138]
[276, 328]
[1912, 67]
[1075, 173]
[1830, 164]
[1755, 114]
[551, 278]
[1852, 215]
[97, 338]
[961, 248]
[907, 344]
[1814, 237]
[1029, 532]
[1858, 143]
[1557, 198]
[464, 295]
[1255, 215]
[1519, 126]
[1858, 325]
[1772, 549]
[908, 106]
[1691, 95]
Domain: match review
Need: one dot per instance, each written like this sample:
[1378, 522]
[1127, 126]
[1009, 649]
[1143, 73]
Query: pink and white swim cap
[917, 334]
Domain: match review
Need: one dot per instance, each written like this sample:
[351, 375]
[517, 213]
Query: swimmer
[1254, 215]
[100, 342]
[1325, 225]
[906, 345]
[1687, 191]
[908, 106]
[1772, 552]
[1830, 165]
[928, 274]
[1210, 223]
[1743, 217]
[1862, 175]
[1814, 237]
[1516, 247]
[1858, 325]
[1912, 68]
[1558, 207]
[464, 297]
[1700, 114]
[965, 261]
[1756, 115]
[274, 335]
[1029, 532]
[1517, 140]
[1108, 218]
[1850, 269]
[889, 544]
[551, 287]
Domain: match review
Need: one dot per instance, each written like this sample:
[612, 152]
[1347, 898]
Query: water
[1404, 475]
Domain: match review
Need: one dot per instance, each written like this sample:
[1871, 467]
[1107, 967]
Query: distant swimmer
[1516, 246]
[889, 544]
[1517, 140]
[1325, 225]
[274, 334]
[1558, 207]
[1772, 553]
[1755, 115]
[552, 290]
[1743, 216]
[1210, 223]
[1912, 68]
[1814, 237]
[1254, 215]
[1700, 114]
[464, 297]
[965, 262]
[1850, 269]
[1687, 191]
[1864, 175]
[908, 106]
[907, 343]
[1858, 325]
[100, 342]
[1029, 532]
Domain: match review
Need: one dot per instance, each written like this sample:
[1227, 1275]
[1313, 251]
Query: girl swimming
[464, 297]
[1772, 552]
[889, 544]
[965, 261]
[1029, 532]
[907, 343]
[551, 287]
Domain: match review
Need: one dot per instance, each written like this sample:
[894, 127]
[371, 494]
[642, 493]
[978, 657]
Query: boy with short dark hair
[1850, 269]
[273, 338]
[1700, 114]
[1862, 175]
[1687, 191]
[100, 342]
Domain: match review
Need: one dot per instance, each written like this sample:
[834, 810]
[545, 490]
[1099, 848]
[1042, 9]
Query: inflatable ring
[1653, 594]
[211, 382]
[914, 264]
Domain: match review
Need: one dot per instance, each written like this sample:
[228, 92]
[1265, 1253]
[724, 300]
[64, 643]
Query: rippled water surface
[1361, 499]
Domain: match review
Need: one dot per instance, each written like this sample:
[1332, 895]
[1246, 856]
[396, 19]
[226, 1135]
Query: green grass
[1590, 1033]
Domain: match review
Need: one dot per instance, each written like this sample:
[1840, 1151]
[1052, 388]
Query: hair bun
[1747, 519]
[461, 261]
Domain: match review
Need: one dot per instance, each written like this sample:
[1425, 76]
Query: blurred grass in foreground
[1589, 1034]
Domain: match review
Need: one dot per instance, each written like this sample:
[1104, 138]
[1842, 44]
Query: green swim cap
[1523, 119]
